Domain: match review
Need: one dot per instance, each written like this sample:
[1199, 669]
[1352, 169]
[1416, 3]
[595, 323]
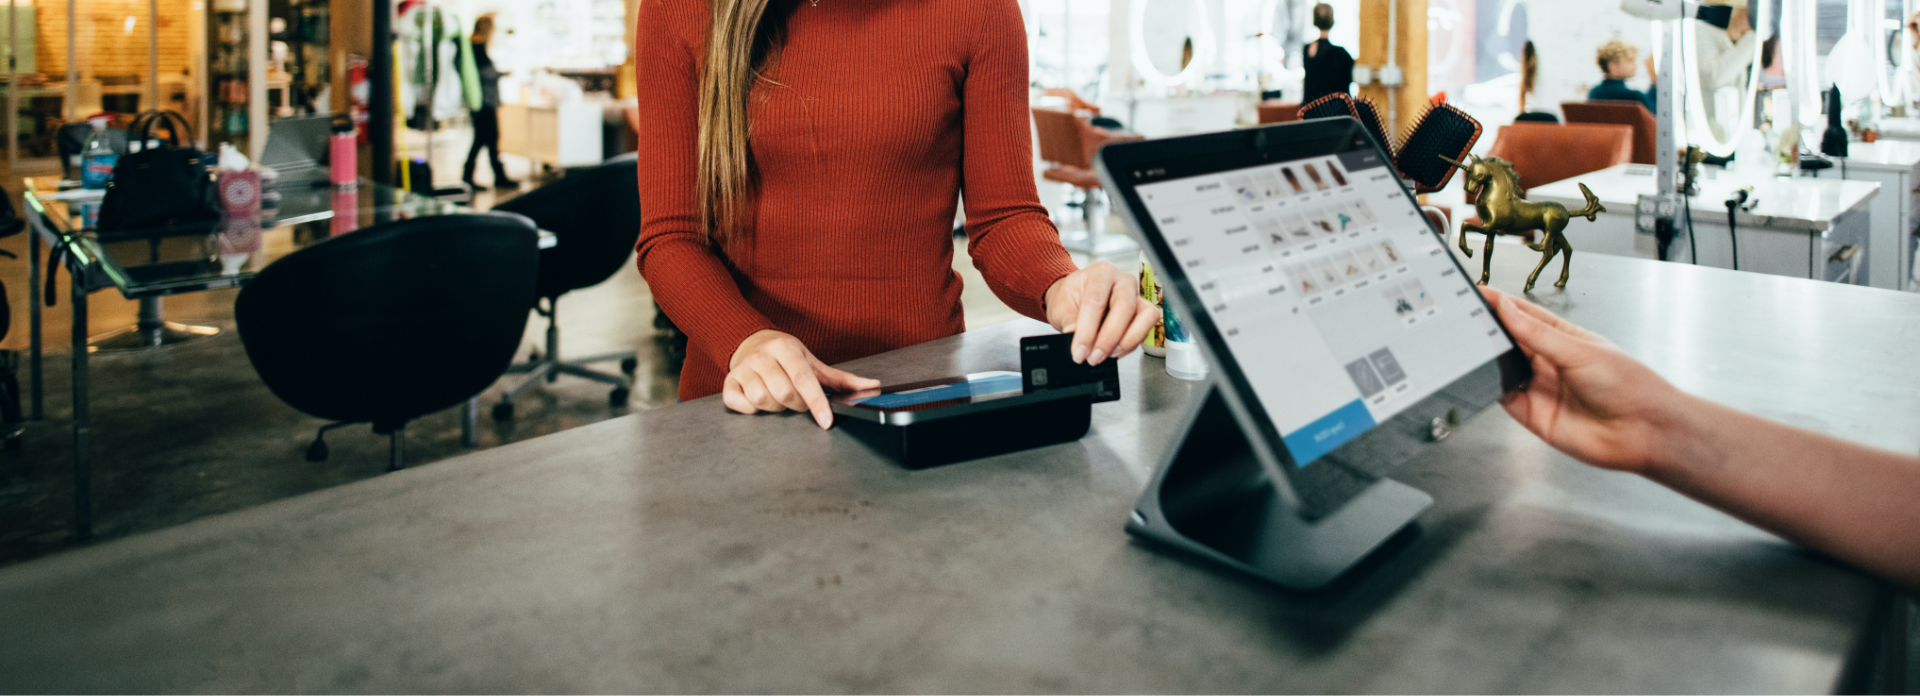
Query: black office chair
[595, 214]
[392, 322]
[72, 140]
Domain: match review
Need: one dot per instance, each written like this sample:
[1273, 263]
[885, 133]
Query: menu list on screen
[1333, 295]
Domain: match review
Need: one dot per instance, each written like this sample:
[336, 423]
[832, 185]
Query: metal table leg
[82, 419]
[36, 403]
[470, 423]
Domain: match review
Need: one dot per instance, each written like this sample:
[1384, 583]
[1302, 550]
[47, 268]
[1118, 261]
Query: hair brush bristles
[1369, 116]
[1330, 106]
[1443, 131]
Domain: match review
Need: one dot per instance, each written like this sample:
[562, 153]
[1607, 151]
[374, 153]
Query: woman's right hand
[773, 371]
[1587, 399]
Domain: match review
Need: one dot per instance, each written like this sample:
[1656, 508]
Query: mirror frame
[1143, 66]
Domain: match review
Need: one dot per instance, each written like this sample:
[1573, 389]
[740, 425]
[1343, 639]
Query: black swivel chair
[595, 214]
[358, 328]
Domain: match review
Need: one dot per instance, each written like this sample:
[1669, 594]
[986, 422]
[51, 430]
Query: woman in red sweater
[797, 196]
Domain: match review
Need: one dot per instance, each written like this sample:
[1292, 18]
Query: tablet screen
[1331, 293]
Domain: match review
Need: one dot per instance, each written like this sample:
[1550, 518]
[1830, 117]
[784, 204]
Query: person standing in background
[1617, 61]
[1529, 72]
[486, 121]
[1329, 68]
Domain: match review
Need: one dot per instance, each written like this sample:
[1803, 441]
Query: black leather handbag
[162, 190]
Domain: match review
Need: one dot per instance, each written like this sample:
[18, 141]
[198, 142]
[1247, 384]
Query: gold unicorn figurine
[1503, 211]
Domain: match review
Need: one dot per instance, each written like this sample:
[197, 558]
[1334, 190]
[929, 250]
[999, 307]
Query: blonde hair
[1615, 50]
[746, 35]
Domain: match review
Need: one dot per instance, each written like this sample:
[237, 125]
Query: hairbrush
[1443, 131]
[1369, 116]
[1330, 106]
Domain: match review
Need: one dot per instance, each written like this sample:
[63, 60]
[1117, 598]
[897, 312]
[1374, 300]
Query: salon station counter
[688, 550]
[1800, 228]
[1895, 166]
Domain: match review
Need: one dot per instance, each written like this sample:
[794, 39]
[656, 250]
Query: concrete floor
[189, 431]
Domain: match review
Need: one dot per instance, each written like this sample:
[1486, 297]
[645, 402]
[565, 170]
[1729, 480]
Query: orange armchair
[1543, 153]
[1625, 113]
[1067, 142]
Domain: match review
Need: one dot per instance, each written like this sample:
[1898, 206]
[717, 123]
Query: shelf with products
[296, 73]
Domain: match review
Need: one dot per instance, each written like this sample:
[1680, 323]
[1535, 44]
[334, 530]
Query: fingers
[734, 396]
[1093, 304]
[1554, 320]
[1143, 322]
[840, 380]
[1537, 336]
[1121, 310]
[807, 387]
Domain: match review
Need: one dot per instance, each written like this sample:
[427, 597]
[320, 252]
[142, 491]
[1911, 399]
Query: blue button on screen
[1310, 443]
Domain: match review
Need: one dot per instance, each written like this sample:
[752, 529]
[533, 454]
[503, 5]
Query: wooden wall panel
[105, 46]
[1410, 52]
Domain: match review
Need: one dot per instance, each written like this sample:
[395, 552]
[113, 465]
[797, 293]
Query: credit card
[1046, 362]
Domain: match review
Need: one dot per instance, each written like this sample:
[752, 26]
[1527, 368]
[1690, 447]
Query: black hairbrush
[1443, 131]
[1330, 106]
[1369, 116]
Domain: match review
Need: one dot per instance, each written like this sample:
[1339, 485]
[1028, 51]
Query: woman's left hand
[1101, 306]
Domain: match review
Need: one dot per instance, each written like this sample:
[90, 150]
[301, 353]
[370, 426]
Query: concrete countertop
[689, 550]
[1803, 204]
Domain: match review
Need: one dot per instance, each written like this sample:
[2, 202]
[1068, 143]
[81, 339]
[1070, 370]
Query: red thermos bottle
[345, 169]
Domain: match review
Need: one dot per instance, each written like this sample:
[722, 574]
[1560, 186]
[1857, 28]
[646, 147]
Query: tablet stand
[1213, 498]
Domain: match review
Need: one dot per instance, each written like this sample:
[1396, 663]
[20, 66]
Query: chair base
[152, 331]
[548, 367]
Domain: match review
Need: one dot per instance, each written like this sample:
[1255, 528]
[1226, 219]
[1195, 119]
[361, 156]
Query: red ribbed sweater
[885, 111]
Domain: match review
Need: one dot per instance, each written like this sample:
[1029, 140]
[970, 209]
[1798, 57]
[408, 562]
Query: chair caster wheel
[629, 366]
[533, 358]
[317, 452]
[618, 397]
[503, 411]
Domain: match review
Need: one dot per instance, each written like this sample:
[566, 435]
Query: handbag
[163, 189]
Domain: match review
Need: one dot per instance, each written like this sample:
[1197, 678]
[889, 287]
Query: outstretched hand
[1587, 399]
[1101, 306]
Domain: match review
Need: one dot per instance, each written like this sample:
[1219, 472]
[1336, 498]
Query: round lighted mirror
[1172, 40]
[1723, 75]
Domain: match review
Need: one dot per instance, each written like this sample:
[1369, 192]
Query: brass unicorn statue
[1503, 211]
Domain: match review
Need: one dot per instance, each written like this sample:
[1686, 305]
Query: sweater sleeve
[1009, 236]
[686, 274]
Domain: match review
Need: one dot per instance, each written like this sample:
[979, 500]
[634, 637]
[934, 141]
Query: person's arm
[769, 370]
[1591, 401]
[1009, 235]
[1723, 59]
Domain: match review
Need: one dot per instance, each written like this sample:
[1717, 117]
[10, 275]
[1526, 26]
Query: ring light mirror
[1199, 30]
[1701, 127]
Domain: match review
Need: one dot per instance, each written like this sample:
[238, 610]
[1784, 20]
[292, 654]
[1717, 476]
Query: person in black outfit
[1329, 67]
[486, 121]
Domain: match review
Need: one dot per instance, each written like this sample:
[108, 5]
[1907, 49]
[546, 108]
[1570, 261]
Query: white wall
[1566, 35]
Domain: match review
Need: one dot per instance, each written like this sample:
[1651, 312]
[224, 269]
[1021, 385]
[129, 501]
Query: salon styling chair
[1067, 143]
[392, 322]
[1621, 113]
[595, 214]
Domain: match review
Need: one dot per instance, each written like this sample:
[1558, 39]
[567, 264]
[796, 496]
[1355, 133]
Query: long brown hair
[1529, 72]
[746, 36]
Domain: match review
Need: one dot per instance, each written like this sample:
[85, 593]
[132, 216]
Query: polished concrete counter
[690, 550]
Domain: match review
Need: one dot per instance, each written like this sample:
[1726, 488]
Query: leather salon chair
[1543, 153]
[1067, 144]
[1624, 113]
[1276, 111]
[595, 214]
[392, 322]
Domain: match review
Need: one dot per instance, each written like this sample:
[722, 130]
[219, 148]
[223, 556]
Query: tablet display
[1327, 303]
[1340, 303]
